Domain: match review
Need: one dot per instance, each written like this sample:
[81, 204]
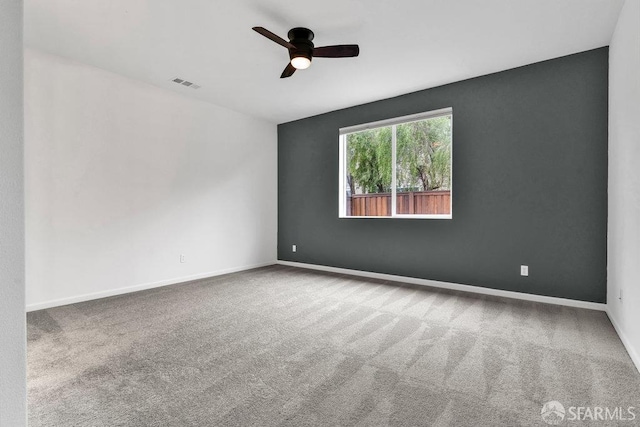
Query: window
[399, 168]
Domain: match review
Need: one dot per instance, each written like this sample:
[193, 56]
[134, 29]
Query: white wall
[12, 316]
[624, 178]
[123, 177]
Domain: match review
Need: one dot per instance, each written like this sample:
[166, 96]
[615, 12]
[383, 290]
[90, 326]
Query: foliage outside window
[397, 168]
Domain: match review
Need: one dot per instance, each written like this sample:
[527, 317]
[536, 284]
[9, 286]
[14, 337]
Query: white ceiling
[405, 45]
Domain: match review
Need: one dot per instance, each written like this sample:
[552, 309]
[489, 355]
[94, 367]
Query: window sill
[449, 216]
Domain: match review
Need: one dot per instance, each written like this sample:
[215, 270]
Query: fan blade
[338, 51]
[274, 37]
[288, 72]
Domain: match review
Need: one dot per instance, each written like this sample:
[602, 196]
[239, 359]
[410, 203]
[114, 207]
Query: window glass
[368, 178]
[423, 167]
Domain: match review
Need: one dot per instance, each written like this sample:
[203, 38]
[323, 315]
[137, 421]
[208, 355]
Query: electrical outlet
[182, 258]
[524, 270]
[294, 248]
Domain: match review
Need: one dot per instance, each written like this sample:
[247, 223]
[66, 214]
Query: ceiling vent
[185, 83]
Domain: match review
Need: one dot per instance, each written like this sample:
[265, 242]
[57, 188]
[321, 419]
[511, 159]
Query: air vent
[186, 83]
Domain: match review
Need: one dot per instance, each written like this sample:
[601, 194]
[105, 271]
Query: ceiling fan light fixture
[302, 50]
[300, 62]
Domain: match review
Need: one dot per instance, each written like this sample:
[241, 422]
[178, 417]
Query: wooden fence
[415, 202]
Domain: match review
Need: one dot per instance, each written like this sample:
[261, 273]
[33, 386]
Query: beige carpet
[292, 347]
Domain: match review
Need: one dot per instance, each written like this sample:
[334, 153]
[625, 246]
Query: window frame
[393, 123]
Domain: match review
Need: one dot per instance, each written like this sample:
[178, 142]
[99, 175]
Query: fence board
[416, 202]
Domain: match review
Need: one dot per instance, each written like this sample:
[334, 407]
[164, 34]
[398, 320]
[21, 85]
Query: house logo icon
[552, 413]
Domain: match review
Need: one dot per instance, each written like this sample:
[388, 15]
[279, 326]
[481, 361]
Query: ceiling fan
[301, 49]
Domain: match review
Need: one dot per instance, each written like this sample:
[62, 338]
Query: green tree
[423, 157]
[369, 160]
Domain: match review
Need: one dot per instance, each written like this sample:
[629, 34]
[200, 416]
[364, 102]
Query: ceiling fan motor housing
[301, 39]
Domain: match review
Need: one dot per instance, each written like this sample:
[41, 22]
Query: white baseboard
[136, 288]
[453, 286]
[633, 354]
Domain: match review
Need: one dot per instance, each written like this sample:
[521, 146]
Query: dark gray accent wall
[529, 185]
